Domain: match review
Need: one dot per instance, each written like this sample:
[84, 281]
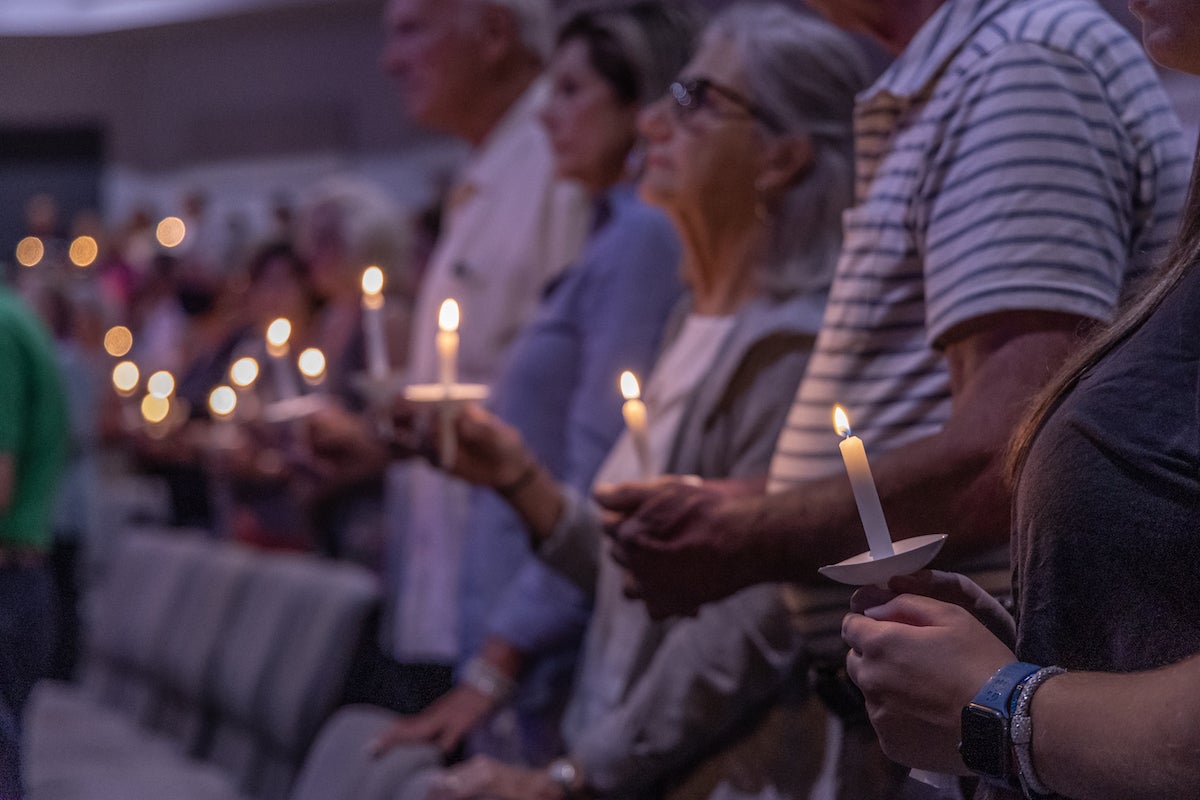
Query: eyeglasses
[693, 95]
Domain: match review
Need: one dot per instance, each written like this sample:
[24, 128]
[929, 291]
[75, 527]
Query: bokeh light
[125, 377]
[161, 384]
[83, 251]
[118, 341]
[171, 232]
[244, 371]
[30, 251]
[222, 401]
[155, 409]
[312, 364]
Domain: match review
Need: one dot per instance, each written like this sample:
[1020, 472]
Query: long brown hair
[1183, 255]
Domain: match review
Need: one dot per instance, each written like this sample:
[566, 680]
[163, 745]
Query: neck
[491, 106]
[722, 263]
[896, 29]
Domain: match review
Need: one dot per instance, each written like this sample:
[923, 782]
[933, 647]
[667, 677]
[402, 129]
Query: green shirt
[33, 424]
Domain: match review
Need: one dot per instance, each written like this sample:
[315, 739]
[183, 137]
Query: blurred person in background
[470, 68]
[521, 622]
[33, 449]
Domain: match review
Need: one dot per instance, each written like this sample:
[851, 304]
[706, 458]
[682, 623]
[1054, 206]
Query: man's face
[429, 54]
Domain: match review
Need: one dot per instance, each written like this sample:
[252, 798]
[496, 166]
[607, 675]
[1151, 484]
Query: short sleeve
[1028, 204]
[13, 390]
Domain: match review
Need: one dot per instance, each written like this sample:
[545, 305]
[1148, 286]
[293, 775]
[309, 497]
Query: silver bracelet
[488, 681]
[1021, 732]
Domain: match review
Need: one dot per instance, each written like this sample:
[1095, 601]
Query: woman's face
[1171, 32]
[590, 130]
[704, 144]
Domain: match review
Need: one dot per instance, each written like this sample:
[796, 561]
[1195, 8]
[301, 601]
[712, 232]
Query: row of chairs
[208, 671]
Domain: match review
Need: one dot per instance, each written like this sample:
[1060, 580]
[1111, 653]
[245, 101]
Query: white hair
[805, 74]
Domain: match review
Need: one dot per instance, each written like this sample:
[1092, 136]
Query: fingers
[912, 609]
[625, 498]
[868, 597]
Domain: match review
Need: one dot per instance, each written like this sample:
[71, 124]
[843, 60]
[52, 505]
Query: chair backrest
[282, 665]
[341, 767]
[211, 599]
[135, 610]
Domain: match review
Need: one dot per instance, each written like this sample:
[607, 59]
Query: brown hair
[1183, 255]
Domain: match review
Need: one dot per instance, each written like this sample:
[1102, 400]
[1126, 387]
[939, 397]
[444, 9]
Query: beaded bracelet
[1021, 732]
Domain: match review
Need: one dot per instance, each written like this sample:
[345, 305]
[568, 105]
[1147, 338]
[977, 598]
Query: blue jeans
[26, 646]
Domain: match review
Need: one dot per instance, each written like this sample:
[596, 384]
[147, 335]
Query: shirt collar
[937, 43]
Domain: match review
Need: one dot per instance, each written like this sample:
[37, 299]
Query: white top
[511, 227]
[677, 373]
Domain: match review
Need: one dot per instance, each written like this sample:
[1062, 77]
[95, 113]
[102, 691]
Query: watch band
[999, 693]
[1021, 731]
[986, 745]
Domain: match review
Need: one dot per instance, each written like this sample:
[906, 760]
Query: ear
[786, 160]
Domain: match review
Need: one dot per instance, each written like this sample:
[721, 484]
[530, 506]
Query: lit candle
[161, 385]
[447, 347]
[222, 402]
[312, 366]
[376, 341]
[278, 334]
[447, 343]
[242, 374]
[865, 496]
[634, 411]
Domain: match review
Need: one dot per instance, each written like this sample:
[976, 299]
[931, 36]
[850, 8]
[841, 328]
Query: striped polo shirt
[1019, 155]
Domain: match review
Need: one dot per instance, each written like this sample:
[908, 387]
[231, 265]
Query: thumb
[623, 497]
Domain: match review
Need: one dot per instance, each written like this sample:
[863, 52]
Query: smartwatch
[985, 747]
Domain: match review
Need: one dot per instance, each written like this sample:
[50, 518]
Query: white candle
[278, 334]
[447, 343]
[376, 341]
[865, 495]
[634, 411]
[242, 374]
[447, 347]
[222, 401]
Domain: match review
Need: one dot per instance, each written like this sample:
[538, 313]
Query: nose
[654, 123]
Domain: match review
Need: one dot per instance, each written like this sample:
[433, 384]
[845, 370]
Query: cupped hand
[949, 587]
[918, 661]
[444, 724]
[682, 541]
[484, 777]
[490, 451]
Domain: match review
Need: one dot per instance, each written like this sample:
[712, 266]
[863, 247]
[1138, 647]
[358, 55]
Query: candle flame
[30, 251]
[244, 371]
[278, 332]
[372, 281]
[841, 423]
[83, 251]
[448, 315]
[312, 363]
[125, 377]
[222, 401]
[629, 386]
[171, 232]
[161, 384]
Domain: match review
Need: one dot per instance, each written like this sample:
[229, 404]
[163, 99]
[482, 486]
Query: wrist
[1021, 732]
[986, 743]
[567, 774]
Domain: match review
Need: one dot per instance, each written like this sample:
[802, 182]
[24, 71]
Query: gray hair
[535, 23]
[804, 74]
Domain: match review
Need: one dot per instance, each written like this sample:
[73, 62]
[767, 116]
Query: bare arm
[1136, 736]
[950, 483]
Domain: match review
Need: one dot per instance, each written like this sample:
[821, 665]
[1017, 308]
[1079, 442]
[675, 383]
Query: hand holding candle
[634, 411]
[376, 342]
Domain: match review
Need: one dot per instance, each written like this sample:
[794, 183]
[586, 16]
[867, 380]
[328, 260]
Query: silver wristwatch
[566, 775]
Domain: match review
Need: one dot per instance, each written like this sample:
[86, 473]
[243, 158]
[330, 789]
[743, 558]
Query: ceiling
[84, 17]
